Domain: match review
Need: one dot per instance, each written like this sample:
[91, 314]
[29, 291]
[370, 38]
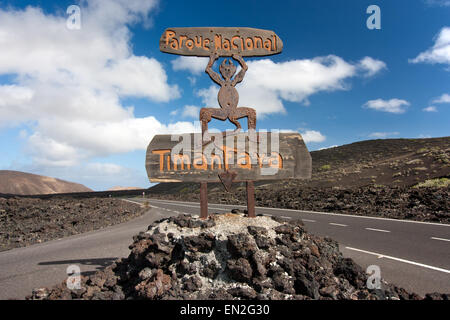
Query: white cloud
[330, 147]
[195, 65]
[191, 112]
[391, 106]
[382, 135]
[69, 83]
[440, 3]
[445, 98]
[312, 136]
[430, 109]
[14, 101]
[110, 174]
[66, 143]
[192, 80]
[439, 52]
[371, 66]
[268, 83]
[105, 168]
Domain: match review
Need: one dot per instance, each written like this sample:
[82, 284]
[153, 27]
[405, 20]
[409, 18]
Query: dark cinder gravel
[26, 221]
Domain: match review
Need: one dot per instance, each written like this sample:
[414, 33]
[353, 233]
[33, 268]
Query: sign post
[227, 156]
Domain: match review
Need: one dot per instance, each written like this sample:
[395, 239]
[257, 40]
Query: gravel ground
[421, 204]
[25, 221]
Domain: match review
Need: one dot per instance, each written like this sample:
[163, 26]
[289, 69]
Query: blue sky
[82, 105]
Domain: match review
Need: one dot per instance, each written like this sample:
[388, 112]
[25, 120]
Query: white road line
[380, 256]
[140, 203]
[316, 212]
[379, 230]
[307, 220]
[442, 239]
[338, 224]
[286, 217]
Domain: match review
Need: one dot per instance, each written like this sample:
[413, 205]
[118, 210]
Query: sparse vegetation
[184, 190]
[415, 161]
[325, 167]
[434, 183]
[422, 150]
[443, 158]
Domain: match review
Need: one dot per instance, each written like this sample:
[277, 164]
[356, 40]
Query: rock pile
[229, 257]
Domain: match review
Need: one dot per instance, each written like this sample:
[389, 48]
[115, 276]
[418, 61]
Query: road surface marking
[379, 255]
[307, 220]
[286, 217]
[379, 230]
[338, 224]
[442, 239]
[140, 203]
[316, 212]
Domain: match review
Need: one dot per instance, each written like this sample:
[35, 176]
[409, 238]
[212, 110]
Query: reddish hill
[119, 188]
[22, 183]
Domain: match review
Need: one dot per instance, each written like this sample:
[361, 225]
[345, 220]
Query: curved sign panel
[270, 156]
[203, 41]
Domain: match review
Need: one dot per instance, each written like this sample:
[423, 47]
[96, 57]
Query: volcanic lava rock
[398, 202]
[25, 221]
[241, 245]
[221, 258]
[240, 270]
[203, 243]
[154, 287]
[351, 271]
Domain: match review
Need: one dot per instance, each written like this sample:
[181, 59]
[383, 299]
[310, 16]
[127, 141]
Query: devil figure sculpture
[228, 96]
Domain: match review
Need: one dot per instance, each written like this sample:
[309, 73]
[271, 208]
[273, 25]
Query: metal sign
[202, 42]
[234, 156]
[268, 157]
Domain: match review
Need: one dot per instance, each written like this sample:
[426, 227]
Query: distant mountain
[22, 183]
[119, 188]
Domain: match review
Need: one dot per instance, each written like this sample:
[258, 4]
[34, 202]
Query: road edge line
[380, 255]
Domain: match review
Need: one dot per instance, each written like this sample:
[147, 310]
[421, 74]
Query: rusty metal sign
[226, 42]
[228, 156]
[228, 96]
[270, 156]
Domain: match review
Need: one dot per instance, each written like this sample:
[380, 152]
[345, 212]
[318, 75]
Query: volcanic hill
[22, 183]
[396, 178]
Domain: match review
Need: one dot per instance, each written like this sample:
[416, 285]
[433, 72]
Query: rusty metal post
[203, 200]
[251, 199]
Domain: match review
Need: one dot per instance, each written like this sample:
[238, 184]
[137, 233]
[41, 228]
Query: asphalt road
[45, 264]
[413, 255]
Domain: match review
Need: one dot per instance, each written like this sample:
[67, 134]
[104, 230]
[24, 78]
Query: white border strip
[338, 224]
[379, 255]
[442, 239]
